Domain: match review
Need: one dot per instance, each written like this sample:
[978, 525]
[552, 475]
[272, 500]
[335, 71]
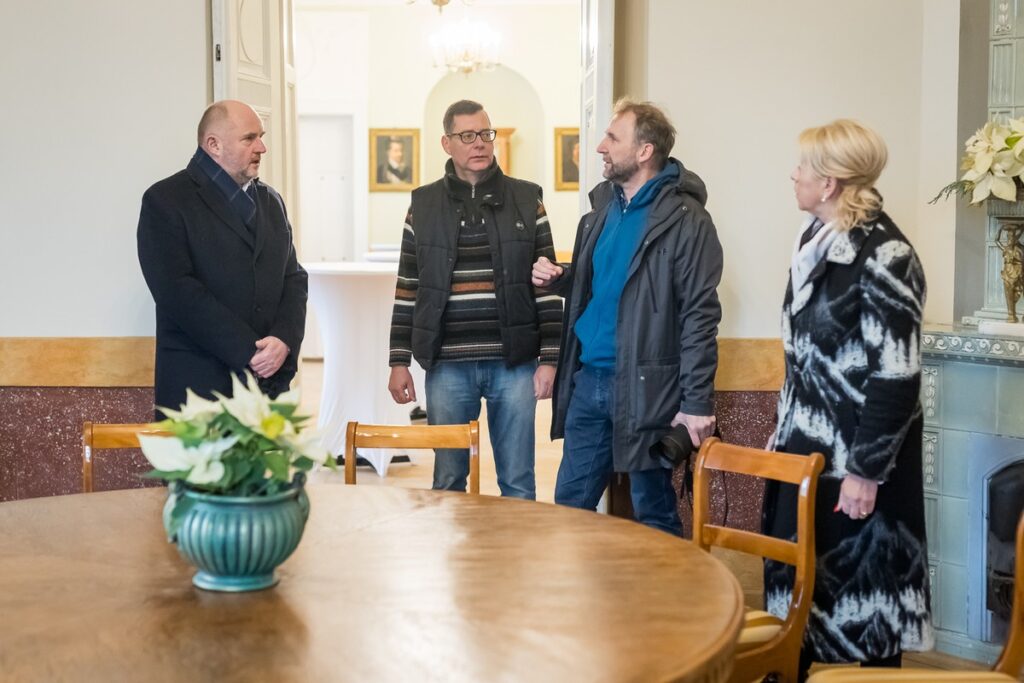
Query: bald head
[231, 133]
[218, 115]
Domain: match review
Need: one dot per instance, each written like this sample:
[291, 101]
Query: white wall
[331, 50]
[741, 83]
[99, 100]
[540, 42]
[934, 234]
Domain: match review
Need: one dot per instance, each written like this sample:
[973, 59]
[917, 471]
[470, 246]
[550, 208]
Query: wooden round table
[387, 584]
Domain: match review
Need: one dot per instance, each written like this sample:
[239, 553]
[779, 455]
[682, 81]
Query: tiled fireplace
[973, 396]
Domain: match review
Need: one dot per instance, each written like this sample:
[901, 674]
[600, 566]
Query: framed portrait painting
[394, 159]
[567, 158]
[503, 149]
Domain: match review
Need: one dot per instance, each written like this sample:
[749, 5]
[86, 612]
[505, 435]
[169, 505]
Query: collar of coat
[486, 191]
[687, 182]
[228, 211]
[843, 251]
[240, 200]
[848, 243]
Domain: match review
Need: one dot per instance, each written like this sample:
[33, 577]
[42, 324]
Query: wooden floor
[419, 474]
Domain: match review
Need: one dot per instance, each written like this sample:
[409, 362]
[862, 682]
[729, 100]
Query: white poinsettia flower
[1006, 164]
[195, 408]
[982, 188]
[206, 472]
[983, 161]
[309, 444]
[290, 397]
[203, 462]
[1004, 188]
[248, 404]
[1018, 148]
[252, 408]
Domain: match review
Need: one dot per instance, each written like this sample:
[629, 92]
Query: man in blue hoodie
[639, 347]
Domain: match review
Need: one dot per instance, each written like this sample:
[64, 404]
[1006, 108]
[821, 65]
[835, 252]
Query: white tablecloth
[353, 303]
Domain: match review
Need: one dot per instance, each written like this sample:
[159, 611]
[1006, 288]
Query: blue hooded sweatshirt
[623, 229]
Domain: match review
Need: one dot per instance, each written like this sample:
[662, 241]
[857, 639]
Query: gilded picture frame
[503, 149]
[567, 158]
[394, 159]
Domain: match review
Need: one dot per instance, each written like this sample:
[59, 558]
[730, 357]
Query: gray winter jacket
[666, 334]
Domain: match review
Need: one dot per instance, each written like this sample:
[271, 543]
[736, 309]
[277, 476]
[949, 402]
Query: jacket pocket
[657, 395]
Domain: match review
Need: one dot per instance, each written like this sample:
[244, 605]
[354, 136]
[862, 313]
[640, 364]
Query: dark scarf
[240, 201]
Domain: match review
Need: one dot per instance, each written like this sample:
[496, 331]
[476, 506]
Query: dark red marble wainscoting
[41, 438]
[746, 418]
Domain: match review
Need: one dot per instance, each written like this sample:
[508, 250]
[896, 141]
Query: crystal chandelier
[466, 47]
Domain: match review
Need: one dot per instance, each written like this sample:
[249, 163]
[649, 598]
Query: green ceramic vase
[238, 542]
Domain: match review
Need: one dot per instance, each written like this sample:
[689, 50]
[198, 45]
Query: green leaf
[243, 469]
[277, 463]
[303, 464]
[961, 188]
[284, 409]
[168, 475]
[230, 476]
[181, 508]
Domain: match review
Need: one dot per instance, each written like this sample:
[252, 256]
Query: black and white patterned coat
[851, 336]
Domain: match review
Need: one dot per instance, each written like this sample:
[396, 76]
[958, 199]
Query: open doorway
[372, 62]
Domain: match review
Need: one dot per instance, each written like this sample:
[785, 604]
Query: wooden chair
[1008, 667]
[767, 644]
[415, 436]
[103, 436]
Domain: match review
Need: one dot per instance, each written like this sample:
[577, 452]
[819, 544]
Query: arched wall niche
[509, 100]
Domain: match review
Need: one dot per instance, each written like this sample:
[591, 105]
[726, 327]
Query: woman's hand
[857, 496]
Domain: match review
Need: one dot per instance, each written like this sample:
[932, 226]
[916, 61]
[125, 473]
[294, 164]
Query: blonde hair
[854, 155]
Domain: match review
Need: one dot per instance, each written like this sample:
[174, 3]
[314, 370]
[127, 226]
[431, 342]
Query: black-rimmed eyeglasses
[468, 136]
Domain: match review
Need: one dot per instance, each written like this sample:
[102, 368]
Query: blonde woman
[851, 325]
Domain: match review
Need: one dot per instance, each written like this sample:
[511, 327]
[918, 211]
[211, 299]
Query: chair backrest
[103, 436]
[800, 470]
[1012, 660]
[414, 436]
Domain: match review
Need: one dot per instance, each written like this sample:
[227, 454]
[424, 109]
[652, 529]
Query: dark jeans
[587, 460]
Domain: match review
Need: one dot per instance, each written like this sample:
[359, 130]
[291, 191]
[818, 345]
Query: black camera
[674, 448]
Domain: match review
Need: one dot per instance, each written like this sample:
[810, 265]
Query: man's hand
[857, 496]
[543, 381]
[700, 427]
[400, 385]
[545, 272]
[270, 356]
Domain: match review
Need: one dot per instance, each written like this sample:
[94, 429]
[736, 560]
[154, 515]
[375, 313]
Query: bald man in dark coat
[216, 249]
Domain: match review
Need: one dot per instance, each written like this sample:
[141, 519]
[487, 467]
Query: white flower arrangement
[993, 163]
[246, 445]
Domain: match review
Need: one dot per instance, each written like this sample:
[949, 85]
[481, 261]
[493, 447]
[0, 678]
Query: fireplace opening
[1006, 502]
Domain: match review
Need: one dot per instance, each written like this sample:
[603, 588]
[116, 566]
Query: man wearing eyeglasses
[465, 308]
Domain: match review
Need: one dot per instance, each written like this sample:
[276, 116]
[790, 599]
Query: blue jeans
[587, 457]
[454, 390]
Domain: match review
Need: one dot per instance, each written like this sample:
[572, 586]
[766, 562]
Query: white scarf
[806, 257]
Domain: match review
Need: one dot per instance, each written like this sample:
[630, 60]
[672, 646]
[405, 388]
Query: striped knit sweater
[471, 326]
